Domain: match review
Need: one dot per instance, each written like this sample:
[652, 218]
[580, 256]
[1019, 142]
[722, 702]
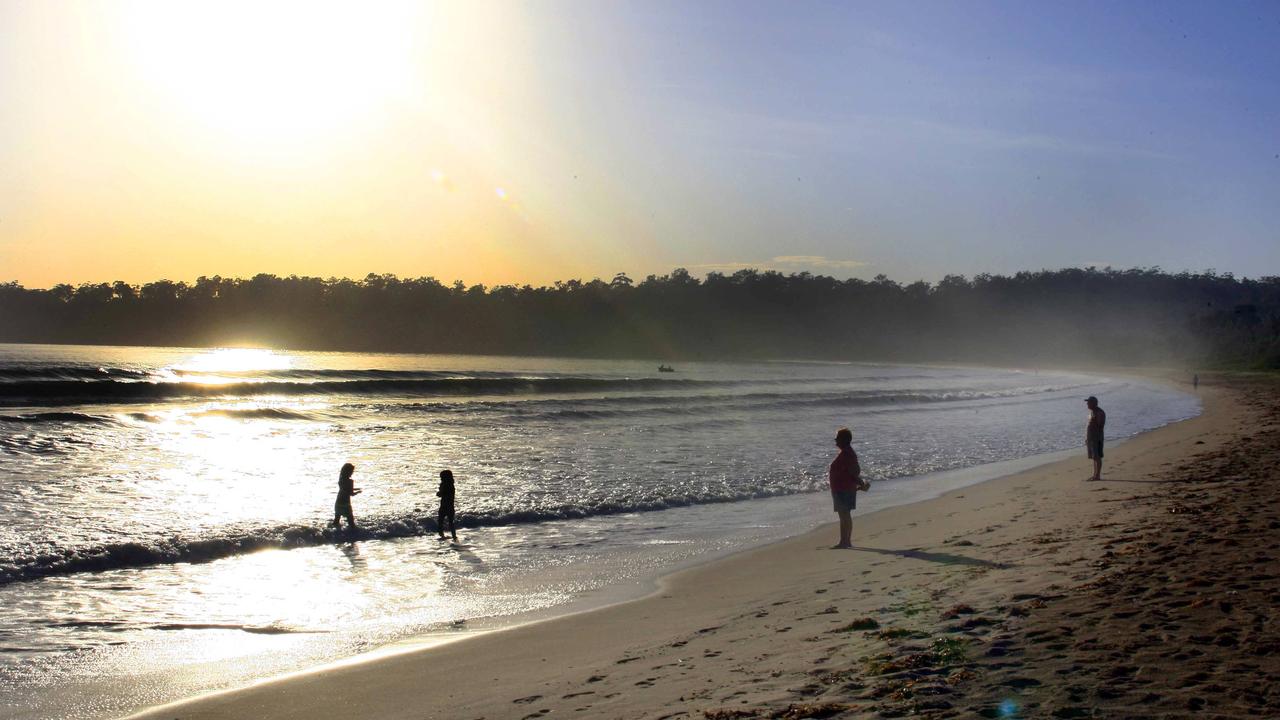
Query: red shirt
[844, 471]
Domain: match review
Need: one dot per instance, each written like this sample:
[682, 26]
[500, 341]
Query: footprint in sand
[527, 700]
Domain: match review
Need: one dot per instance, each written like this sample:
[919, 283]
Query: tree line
[1135, 316]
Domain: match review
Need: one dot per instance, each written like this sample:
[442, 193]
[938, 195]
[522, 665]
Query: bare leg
[1097, 468]
[846, 529]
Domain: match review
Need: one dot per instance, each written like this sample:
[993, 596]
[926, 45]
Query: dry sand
[1150, 594]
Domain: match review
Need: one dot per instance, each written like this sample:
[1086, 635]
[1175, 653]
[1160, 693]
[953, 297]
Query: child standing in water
[342, 506]
[446, 493]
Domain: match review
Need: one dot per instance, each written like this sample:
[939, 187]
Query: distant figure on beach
[1093, 435]
[845, 476]
[1195, 381]
[446, 494]
[342, 506]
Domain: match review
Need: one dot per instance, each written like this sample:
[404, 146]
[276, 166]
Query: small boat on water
[666, 368]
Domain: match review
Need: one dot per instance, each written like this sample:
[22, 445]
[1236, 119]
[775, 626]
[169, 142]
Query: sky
[529, 142]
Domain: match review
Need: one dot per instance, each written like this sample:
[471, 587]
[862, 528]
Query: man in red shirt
[845, 476]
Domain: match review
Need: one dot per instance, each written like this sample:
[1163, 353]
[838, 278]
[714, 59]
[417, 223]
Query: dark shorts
[844, 501]
[342, 506]
[1094, 448]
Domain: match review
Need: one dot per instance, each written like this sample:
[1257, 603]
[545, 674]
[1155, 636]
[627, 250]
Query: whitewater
[167, 508]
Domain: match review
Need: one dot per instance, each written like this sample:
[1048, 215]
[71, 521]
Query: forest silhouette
[1136, 316]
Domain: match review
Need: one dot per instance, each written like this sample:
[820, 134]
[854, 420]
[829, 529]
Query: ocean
[167, 508]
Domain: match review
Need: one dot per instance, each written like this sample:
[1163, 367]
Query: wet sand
[1149, 594]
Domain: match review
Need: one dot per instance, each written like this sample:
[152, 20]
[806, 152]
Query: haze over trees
[1138, 316]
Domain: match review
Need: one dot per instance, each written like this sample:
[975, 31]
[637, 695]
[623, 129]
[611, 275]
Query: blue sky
[926, 138]
[501, 142]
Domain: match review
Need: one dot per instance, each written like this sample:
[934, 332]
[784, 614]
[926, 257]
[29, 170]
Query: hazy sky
[534, 141]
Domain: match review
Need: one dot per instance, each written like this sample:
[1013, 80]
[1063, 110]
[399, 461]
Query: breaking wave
[55, 417]
[262, 413]
[103, 391]
[690, 404]
[25, 564]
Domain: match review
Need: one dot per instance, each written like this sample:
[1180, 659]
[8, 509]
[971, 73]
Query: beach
[580, 483]
[1037, 594]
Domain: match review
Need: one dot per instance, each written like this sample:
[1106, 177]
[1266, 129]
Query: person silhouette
[446, 494]
[342, 506]
[1093, 435]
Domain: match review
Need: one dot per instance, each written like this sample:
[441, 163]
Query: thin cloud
[786, 264]
[1001, 140]
[786, 136]
[818, 261]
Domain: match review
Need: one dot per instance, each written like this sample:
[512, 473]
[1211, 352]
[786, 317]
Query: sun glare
[235, 360]
[281, 73]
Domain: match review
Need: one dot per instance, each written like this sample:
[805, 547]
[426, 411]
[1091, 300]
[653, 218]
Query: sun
[272, 72]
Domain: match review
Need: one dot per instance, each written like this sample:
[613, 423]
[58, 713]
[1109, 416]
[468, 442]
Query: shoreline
[682, 589]
[944, 481]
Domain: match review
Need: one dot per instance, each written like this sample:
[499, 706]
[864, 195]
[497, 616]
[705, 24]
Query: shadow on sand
[943, 558]
[1105, 480]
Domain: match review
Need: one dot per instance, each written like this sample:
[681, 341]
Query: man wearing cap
[1093, 435]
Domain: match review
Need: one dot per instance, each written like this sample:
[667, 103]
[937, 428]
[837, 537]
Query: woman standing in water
[845, 476]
